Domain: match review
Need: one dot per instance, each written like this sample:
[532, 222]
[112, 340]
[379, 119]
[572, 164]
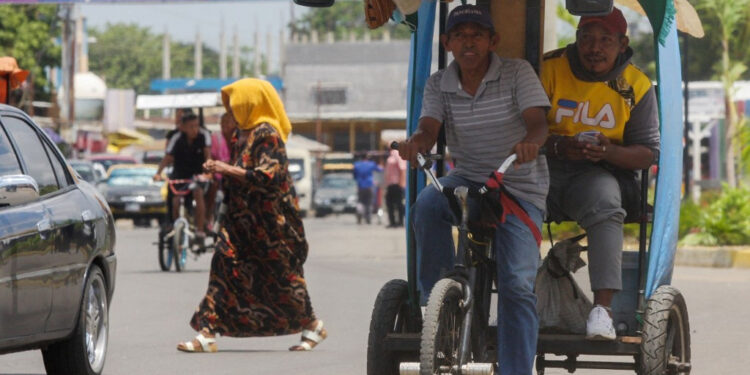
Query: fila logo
[579, 112]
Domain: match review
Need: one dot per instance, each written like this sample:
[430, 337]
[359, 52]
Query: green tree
[733, 17]
[343, 18]
[27, 33]
[130, 56]
[126, 56]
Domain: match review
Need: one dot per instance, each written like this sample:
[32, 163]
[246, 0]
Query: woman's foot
[203, 343]
[312, 335]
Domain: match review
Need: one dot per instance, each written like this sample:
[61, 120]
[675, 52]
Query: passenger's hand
[569, 148]
[525, 152]
[408, 150]
[158, 177]
[599, 152]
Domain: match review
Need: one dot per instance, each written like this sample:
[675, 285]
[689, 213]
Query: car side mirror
[17, 189]
[589, 7]
[314, 3]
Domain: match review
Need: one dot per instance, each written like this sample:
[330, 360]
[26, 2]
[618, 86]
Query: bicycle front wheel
[180, 246]
[442, 329]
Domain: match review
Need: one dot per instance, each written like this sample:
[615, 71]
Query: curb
[717, 257]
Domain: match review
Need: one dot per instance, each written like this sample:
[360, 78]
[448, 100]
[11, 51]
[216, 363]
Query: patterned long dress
[256, 285]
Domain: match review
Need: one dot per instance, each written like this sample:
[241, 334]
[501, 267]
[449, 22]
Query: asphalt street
[348, 264]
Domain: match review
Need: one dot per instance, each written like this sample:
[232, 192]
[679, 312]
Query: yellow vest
[584, 106]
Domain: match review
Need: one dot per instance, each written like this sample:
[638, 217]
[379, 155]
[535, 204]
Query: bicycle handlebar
[424, 163]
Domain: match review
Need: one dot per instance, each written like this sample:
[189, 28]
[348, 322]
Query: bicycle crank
[412, 368]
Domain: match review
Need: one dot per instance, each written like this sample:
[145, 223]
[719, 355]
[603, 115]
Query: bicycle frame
[466, 269]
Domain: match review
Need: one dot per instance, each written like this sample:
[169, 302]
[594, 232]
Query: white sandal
[311, 339]
[207, 345]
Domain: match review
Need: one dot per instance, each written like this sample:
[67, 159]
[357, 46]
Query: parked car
[131, 193]
[87, 171]
[57, 260]
[336, 193]
[300, 167]
[108, 160]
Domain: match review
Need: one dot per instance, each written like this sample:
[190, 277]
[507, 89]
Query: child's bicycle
[175, 242]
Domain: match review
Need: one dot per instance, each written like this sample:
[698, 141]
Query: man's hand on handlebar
[408, 150]
[525, 152]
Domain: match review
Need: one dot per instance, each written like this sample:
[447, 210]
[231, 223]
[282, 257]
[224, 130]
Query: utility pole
[198, 56]
[166, 64]
[222, 52]
[68, 61]
[235, 55]
[256, 55]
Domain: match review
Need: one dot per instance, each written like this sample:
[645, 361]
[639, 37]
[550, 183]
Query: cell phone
[590, 137]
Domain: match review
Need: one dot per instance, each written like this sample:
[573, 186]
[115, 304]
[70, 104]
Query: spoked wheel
[165, 252]
[180, 245]
[442, 328]
[665, 348]
[390, 315]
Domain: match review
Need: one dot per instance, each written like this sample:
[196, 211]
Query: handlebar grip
[394, 145]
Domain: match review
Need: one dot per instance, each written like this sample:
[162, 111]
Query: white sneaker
[599, 325]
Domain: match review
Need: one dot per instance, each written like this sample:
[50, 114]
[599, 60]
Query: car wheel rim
[96, 324]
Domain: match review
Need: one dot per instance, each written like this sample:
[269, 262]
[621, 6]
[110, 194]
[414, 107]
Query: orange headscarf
[254, 101]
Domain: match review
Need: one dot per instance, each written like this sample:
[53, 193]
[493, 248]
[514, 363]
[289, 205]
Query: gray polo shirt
[481, 130]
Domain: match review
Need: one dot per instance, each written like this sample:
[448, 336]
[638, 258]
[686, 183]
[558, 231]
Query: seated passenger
[592, 86]
[491, 107]
[187, 150]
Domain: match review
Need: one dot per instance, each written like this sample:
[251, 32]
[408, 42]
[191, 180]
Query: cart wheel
[165, 253]
[665, 348]
[389, 315]
[442, 328]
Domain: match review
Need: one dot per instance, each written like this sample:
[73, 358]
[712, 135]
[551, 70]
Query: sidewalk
[713, 256]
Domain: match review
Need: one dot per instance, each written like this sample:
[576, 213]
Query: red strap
[495, 180]
[510, 206]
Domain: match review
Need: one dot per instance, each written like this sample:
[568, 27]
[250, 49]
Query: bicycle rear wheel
[442, 328]
[180, 246]
[165, 252]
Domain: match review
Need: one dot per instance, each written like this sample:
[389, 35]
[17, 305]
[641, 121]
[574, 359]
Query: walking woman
[256, 285]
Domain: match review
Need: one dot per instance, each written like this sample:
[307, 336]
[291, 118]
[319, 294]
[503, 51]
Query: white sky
[184, 19]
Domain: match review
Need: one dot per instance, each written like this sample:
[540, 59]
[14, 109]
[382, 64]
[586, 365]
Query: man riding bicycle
[490, 107]
[186, 151]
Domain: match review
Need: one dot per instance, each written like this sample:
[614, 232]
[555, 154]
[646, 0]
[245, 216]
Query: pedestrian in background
[256, 285]
[220, 150]
[395, 180]
[363, 170]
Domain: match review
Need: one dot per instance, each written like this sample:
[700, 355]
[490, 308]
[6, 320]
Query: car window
[8, 160]
[32, 152]
[296, 169]
[132, 177]
[62, 177]
[85, 171]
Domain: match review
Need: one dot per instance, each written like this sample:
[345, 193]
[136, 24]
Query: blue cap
[469, 13]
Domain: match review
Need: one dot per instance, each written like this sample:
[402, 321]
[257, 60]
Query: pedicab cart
[651, 315]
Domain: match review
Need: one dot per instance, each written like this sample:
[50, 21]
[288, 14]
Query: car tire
[79, 354]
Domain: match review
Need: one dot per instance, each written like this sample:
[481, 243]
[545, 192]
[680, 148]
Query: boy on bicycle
[491, 107]
[187, 150]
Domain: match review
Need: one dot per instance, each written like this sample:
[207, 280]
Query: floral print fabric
[256, 285]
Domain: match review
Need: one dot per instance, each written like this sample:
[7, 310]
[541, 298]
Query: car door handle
[43, 226]
[86, 215]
